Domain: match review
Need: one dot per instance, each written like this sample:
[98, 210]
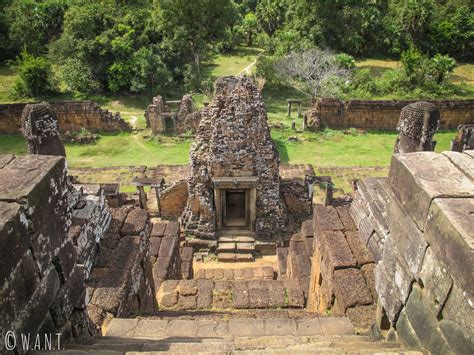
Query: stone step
[226, 257]
[236, 238]
[245, 247]
[145, 328]
[243, 335]
[243, 256]
[226, 247]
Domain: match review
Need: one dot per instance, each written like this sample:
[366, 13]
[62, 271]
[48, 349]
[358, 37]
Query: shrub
[79, 78]
[33, 76]
[265, 69]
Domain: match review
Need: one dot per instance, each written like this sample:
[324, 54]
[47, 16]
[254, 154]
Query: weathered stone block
[294, 294]
[359, 251]
[167, 247]
[22, 283]
[187, 287]
[368, 270]
[172, 229]
[118, 218]
[346, 219]
[436, 281]
[336, 252]
[388, 293]
[326, 218]
[68, 297]
[463, 162]
[158, 229]
[458, 309]
[406, 237]
[154, 246]
[240, 295]
[406, 332]
[350, 288]
[418, 178]
[424, 322]
[14, 238]
[362, 317]
[307, 229]
[32, 316]
[366, 228]
[450, 233]
[135, 222]
[204, 296]
[459, 340]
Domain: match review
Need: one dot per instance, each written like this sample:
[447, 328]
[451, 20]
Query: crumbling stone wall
[72, 116]
[183, 120]
[42, 283]
[233, 140]
[384, 114]
[121, 283]
[422, 218]
[342, 269]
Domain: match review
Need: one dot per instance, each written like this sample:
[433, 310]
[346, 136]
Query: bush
[78, 77]
[265, 68]
[34, 75]
[346, 61]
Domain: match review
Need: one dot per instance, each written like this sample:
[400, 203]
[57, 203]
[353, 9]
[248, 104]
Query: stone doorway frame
[247, 183]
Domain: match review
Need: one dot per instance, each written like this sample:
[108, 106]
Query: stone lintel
[237, 182]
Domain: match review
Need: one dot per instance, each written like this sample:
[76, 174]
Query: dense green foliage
[149, 46]
[34, 75]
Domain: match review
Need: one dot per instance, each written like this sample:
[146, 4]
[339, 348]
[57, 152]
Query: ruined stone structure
[384, 114]
[312, 122]
[161, 118]
[418, 225]
[234, 181]
[418, 124]
[464, 139]
[40, 129]
[72, 117]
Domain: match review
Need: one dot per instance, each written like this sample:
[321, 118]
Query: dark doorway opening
[235, 211]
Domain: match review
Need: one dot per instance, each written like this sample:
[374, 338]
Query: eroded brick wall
[72, 116]
[384, 114]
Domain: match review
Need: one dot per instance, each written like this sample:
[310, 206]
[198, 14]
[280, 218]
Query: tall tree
[271, 15]
[197, 24]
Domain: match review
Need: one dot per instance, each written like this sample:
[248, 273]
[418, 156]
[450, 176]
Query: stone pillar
[253, 208]
[418, 124]
[289, 109]
[142, 197]
[218, 203]
[39, 126]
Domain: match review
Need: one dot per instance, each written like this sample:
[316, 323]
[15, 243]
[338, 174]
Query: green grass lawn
[327, 149]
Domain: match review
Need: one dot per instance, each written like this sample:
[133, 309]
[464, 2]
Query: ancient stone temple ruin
[234, 182]
[387, 269]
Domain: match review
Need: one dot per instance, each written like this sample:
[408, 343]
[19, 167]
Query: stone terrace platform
[236, 335]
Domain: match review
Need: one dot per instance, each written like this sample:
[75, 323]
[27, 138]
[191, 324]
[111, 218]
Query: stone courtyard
[237, 252]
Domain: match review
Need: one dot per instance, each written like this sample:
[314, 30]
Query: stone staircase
[323, 335]
[235, 246]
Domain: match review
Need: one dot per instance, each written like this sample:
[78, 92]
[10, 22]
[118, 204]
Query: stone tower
[418, 124]
[234, 181]
[39, 126]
